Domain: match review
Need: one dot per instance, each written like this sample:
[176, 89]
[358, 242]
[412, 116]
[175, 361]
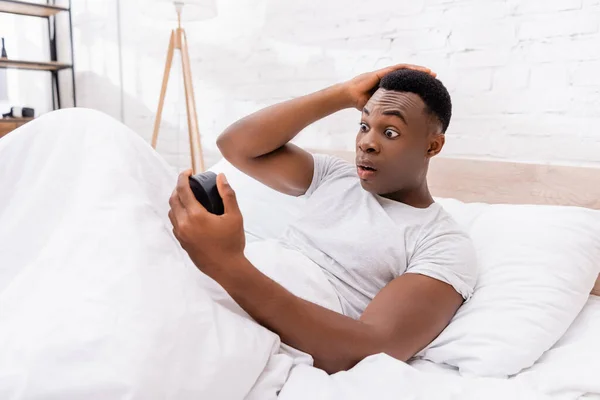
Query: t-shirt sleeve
[326, 168]
[448, 256]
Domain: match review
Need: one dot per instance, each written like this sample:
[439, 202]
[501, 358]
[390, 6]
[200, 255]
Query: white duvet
[98, 300]
[384, 378]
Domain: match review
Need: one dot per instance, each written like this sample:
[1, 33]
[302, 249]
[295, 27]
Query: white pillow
[266, 212]
[537, 265]
[570, 369]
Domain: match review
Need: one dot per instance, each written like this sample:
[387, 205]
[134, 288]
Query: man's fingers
[392, 68]
[416, 67]
[184, 191]
[230, 203]
[172, 218]
[177, 212]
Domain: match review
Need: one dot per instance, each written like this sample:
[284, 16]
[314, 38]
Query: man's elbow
[224, 144]
[233, 143]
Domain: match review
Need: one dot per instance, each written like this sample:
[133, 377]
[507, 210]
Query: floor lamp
[178, 41]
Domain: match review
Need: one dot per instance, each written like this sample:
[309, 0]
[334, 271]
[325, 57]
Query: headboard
[510, 183]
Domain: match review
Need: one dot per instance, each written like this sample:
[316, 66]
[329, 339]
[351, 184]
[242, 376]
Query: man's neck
[418, 197]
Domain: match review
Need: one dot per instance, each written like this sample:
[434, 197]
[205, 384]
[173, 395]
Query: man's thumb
[230, 203]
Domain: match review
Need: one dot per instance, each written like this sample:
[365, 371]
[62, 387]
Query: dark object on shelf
[204, 186]
[48, 11]
[20, 112]
[3, 55]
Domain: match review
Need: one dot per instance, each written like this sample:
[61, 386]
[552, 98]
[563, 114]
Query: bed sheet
[568, 388]
[566, 372]
[381, 377]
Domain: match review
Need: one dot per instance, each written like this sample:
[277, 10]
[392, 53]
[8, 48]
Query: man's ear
[436, 143]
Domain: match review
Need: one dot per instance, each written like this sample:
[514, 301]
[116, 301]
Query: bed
[125, 322]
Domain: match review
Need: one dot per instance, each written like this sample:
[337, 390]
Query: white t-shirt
[363, 241]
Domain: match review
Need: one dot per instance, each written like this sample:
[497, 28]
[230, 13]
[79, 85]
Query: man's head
[402, 127]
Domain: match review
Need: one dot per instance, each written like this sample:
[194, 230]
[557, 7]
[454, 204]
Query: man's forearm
[335, 341]
[270, 128]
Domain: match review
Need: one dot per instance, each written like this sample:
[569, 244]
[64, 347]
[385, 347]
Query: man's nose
[368, 143]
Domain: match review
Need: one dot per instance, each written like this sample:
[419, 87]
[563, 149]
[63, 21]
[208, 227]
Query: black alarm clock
[204, 186]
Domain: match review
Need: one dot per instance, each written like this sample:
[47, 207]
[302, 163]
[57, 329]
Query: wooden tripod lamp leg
[163, 90]
[192, 116]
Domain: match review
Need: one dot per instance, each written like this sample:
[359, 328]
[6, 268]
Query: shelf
[8, 125]
[30, 9]
[14, 120]
[33, 65]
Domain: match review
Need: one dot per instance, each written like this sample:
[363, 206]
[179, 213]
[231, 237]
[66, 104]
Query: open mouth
[365, 171]
[366, 168]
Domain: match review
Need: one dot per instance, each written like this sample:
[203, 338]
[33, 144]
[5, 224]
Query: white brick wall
[523, 73]
[577, 22]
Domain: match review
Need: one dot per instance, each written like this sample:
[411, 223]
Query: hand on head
[360, 88]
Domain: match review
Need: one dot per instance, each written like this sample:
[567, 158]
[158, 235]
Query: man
[399, 264]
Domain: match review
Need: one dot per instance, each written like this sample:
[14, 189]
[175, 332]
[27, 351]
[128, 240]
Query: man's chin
[373, 187]
[368, 185]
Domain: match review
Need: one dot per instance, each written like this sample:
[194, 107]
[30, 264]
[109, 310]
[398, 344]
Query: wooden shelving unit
[9, 124]
[30, 9]
[15, 120]
[48, 11]
[33, 65]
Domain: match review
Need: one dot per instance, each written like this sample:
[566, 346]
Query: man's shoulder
[333, 163]
[443, 230]
[446, 252]
[329, 168]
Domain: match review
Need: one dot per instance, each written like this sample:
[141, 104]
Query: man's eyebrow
[366, 111]
[397, 113]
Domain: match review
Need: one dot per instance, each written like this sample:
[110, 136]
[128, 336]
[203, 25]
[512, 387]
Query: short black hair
[431, 90]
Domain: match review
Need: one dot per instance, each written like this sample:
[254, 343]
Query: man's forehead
[390, 99]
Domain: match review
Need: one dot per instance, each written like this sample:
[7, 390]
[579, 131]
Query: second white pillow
[537, 267]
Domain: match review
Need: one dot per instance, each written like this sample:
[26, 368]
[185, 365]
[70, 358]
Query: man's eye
[364, 127]
[391, 134]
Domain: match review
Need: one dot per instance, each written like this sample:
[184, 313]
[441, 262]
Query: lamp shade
[191, 10]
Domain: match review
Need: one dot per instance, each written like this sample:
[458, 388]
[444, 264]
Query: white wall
[523, 74]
